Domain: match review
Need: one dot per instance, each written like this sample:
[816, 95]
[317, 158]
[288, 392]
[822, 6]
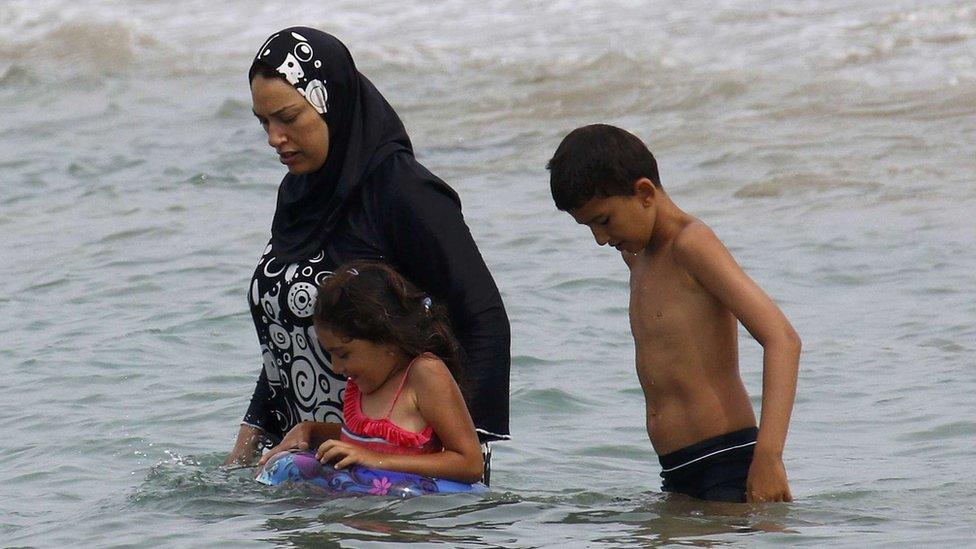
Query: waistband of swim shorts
[743, 438]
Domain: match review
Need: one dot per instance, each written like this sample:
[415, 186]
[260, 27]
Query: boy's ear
[645, 190]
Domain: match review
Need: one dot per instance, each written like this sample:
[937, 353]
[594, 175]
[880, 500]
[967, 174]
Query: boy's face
[624, 222]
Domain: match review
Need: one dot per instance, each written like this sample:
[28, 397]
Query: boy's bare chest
[665, 301]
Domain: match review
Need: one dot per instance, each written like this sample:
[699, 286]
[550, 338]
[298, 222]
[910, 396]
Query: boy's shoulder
[699, 252]
[692, 238]
[693, 233]
[693, 248]
[695, 242]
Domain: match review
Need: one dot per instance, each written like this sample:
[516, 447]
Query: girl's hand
[303, 436]
[298, 438]
[345, 454]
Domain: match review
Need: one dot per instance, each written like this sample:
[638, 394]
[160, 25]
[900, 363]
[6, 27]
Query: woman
[353, 191]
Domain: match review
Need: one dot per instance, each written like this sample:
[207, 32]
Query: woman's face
[295, 130]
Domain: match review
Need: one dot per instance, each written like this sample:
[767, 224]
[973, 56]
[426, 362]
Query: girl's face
[369, 364]
[295, 130]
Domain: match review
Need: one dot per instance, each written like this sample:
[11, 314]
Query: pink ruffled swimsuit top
[382, 435]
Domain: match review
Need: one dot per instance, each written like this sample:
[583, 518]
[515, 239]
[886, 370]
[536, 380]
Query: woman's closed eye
[284, 119]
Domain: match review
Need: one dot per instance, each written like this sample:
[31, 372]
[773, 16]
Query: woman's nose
[276, 137]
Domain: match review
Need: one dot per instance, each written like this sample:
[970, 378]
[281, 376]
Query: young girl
[403, 410]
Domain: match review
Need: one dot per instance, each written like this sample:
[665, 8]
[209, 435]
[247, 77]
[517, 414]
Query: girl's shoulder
[427, 369]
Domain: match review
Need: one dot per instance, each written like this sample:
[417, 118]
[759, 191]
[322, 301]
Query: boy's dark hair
[369, 300]
[598, 161]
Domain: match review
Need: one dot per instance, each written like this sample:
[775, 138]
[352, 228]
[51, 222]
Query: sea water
[829, 144]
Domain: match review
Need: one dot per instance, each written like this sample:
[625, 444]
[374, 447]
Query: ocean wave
[75, 48]
[806, 183]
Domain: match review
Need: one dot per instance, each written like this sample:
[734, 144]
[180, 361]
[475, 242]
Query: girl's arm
[440, 403]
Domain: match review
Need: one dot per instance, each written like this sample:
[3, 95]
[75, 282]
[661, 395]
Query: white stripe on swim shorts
[708, 456]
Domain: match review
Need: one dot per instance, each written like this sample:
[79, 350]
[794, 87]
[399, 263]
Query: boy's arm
[707, 260]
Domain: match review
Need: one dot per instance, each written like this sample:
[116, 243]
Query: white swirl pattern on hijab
[293, 70]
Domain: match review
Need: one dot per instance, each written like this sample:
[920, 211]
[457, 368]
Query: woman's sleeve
[434, 249]
[259, 412]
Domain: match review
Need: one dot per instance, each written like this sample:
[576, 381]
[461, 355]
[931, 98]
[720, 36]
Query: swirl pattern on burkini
[301, 298]
[298, 371]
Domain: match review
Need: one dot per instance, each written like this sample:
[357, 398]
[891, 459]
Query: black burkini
[371, 200]
[714, 469]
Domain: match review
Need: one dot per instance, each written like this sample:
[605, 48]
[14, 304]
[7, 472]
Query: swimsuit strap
[403, 381]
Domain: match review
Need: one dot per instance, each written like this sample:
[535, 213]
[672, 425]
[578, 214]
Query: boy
[686, 295]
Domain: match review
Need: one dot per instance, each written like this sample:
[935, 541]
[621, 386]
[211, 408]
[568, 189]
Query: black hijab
[364, 130]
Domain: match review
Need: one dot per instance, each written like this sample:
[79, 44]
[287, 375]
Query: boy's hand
[345, 454]
[767, 479]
